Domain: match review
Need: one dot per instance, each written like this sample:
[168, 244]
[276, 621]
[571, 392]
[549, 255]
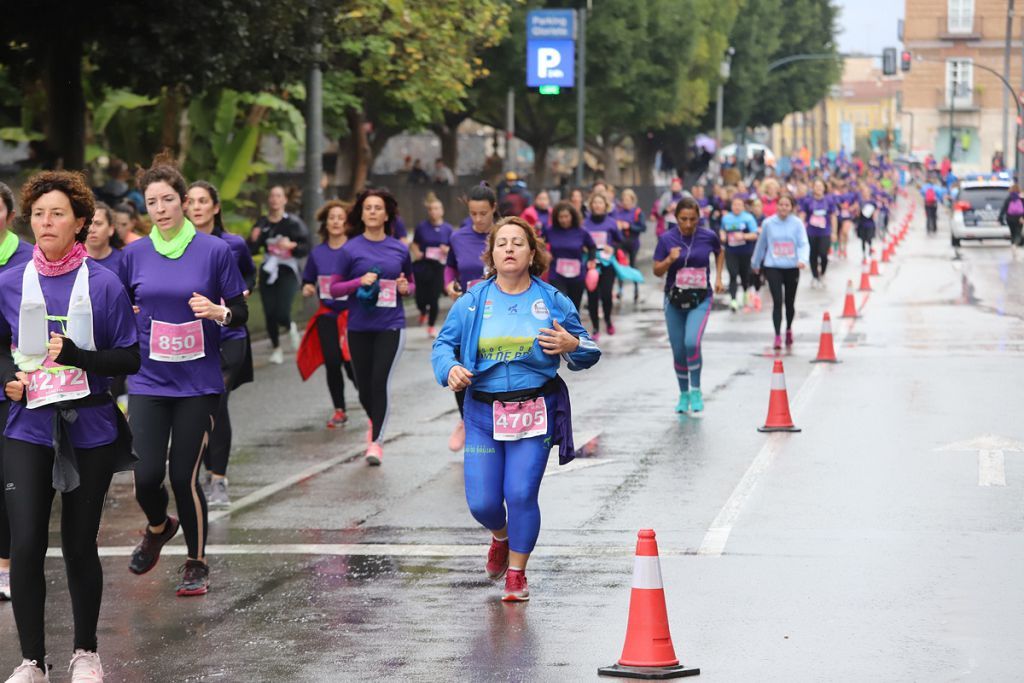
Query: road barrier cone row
[874, 266]
[865, 278]
[887, 251]
[779, 418]
[826, 349]
[648, 652]
[850, 303]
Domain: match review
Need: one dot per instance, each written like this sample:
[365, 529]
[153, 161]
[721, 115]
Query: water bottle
[80, 323]
[32, 328]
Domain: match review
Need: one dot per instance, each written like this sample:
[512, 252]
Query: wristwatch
[226, 320]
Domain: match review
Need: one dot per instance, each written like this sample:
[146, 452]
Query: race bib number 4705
[520, 420]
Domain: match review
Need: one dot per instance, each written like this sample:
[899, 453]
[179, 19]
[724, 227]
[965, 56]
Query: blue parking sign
[550, 62]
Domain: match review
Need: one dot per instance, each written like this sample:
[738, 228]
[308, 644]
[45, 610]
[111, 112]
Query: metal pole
[313, 195]
[581, 92]
[1006, 74]
[718, 114]
[1019, 155]
[510, 131]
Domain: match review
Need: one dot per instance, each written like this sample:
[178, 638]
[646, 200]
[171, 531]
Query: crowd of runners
[99, 322]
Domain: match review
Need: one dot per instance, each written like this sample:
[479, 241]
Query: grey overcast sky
[868, 25]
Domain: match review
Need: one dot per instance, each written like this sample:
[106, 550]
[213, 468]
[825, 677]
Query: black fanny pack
[686, 299]
[548, 388]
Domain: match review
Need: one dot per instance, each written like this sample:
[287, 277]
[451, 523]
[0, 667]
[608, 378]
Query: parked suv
[976, 210]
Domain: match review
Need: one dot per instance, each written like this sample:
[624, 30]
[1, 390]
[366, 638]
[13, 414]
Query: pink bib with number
[691, 278]
[323, 283]
[520, 420]
[435, 254]
[600, 238]
[388, 297]
[817, 220]
[735, 238]
[784, 249]
[176, 343]
[275, 249]
[568, 267]
[49, 385]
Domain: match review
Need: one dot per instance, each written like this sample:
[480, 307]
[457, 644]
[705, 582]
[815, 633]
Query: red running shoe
[423, 319]
[339, 418]
[497, 559]
[516, 589]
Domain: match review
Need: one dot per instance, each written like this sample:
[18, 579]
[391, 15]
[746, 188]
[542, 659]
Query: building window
[960, 16]
[959, 82]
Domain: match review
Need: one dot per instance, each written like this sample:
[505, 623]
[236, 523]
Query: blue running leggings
[504, 474]
[685, 331]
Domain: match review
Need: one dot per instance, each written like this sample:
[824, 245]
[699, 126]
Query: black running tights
[782, 283]
[374, 357]
[28, 469]
[186, 424]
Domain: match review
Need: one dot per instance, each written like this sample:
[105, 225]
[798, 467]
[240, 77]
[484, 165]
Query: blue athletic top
[497, 337]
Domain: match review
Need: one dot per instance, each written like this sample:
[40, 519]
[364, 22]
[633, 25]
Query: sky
[868, 25]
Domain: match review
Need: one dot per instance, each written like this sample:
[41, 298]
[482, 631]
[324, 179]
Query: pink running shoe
[777, 344]
[789, 337]
[596, 337]
[339, 418]
[374, 454]
[516, 588]
[457, 441]
[497, 559]
[757, 302]
[610, 329]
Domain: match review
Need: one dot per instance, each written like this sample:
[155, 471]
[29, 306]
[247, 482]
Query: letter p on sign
[548, 60]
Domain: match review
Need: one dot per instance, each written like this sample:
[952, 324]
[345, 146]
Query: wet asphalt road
[856, 549]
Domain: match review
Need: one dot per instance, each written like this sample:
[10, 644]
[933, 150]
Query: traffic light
[889, 61]
[905, 58]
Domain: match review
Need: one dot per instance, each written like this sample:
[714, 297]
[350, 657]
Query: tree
[177, 45]
[402, 65]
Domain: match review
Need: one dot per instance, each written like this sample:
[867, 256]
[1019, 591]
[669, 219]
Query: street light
[724, 70]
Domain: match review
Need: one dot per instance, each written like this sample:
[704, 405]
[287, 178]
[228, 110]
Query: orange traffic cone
[648, 652]
[874, 265]
[779, 419]
[850, 304]
[887, 250]
[865, 278]
[826, 351]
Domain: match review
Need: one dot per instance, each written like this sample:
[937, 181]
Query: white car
[976, 211]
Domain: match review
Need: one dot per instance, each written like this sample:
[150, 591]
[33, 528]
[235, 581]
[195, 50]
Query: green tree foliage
[401, 64]
[808, 27]
[149, 47]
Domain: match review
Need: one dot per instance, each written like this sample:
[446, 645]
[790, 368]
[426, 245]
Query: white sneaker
[293, 334]
[29, 672]
[5, 584]
[277, 356]
[85, 667]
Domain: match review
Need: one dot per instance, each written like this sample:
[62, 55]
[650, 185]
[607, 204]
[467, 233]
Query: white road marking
[991, 456]
[718, 533]
[269, 490]
[991, 468]
[382, 549]
[554, 468]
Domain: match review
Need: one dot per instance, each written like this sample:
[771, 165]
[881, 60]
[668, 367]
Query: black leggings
[232, 362]
[1014, 223]
[429, 284]
[571, 288]
[931, 212]
[277, 302]
[330, 346]
[819, 254]
[739, 271]
[5, 525]
[374, 357]
[631, 246]
[780, 279]
[29, 494]
[605, 287]
[186, 423]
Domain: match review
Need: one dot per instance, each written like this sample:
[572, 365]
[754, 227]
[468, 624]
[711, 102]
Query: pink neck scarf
[71, 261]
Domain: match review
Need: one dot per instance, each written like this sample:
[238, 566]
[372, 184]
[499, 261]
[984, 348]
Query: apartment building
[954, 103]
